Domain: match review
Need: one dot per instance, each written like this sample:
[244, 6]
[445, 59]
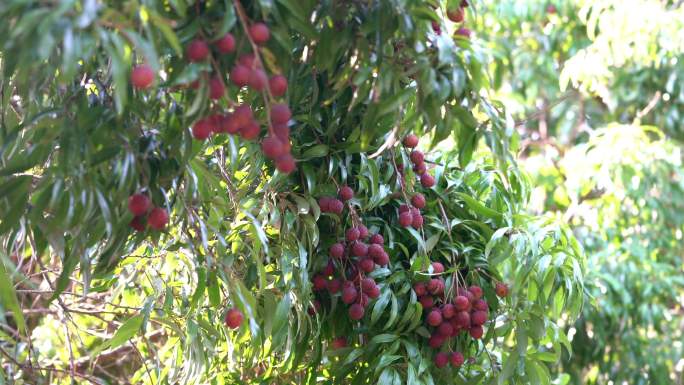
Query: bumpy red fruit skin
[448, 311]
[476, 291]
[461, 303]
[436, 340]
[374, 292]
[356, 312]
[334, 286]
[142, 76]
[250, 131]
[202, 129]
[404, 209]
[319, 282]
[420, 169]
[337, 250]
[462, 319]
[197, 50]
[382, 259]
[417, 157]
[258, 79]
[417, 221]
[272, 147]
[282, 131]
[363, 231]
[352, 234]
[278, 85]
[216, 88]
[478, 317]
[480, 305]
[138, 224]
[434, 318]
[367, 284]
[259, 33]
[427, 180]
[476, 332]
[377, 239]
[359, 249]
[158, 218]
[339, 343]
[349, 294]
[420, 289]
[405, 219]
[426, 301]
[501, 289]
[367, 265]
[441, 359]
[375, 250]
[226, 44]
[457, 359]
[239, 75]
[455, 14]
[346, 193]
[243, 115]
[336, 206]
[285, 163]
[437, 268]
[249, 60]
[138, 204]
[445, 329]
[418, 200]
[329, 269]
[280, 113]
[410, 141]
[233, 318]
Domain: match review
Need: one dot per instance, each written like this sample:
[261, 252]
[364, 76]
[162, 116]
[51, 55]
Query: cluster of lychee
[456, 15]
[350, 259]
[418, 159]
[465, 312]
[247, 72]
[140, 205]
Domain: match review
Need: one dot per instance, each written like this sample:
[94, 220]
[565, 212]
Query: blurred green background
[596, 89]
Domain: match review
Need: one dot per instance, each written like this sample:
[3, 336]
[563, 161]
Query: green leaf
[8, 298]
[126, 331]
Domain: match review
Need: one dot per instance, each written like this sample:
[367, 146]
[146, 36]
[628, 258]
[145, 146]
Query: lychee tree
[267, 192]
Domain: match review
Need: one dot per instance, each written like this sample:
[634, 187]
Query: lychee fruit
[346, 193]
[410, 141]
[142, 76]
[285, 163]
[337, 250]
[259, 33]
[427, 180]
[277, 85]
[239, 75]
[158, 218]
[272, 147]
[233, 318]
[356, 311]
[138, 204]
[226, 44]
[418, 200]
[197, 50]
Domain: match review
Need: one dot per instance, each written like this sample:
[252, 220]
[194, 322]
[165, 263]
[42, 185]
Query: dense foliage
[599, 112]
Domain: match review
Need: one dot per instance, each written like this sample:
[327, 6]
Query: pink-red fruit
[197, 50]
[457, 359]
[346, 193]
[285, 163]
[501, 289]
[377, 239]
[434, 318]
[272, 147]
[427, 181]
[138, 223]
[280, 113]
[138, 204]
[337, 250]
[441, 359]
[258, 79]
[410, 141]
[233, 318]
[216, 88]
[259, 33]
[405, 219]
[417, 157]
[339, 343]
[226, 44]
[278, 85]
[455, 14]
[142, 76]
[356, 312]
[476, 332]
[418, 201]
[158, 218]
[239, 75]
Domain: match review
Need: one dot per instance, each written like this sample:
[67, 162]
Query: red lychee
[346, 193]
[239, 75]
[226, 44]
[142, 76]
[138, 204]
[356, 312]
[259, 33]
[158, 218]
[197, 50]
[233, 318]
[278, 85]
